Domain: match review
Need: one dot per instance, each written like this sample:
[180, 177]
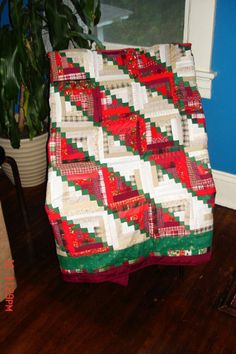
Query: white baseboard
[225, 188]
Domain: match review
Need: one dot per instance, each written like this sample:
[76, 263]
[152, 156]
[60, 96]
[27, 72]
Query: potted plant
[24, 72]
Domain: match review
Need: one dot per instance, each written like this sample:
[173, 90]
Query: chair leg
[19, 191]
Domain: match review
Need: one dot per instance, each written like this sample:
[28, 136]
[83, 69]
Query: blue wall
[4, 19]
[221, 109]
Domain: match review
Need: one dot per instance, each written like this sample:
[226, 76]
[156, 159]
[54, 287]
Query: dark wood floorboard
[158, 313]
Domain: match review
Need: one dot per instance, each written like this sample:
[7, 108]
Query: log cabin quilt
[129, 180]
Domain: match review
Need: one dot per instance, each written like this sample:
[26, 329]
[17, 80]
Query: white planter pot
[31, 160]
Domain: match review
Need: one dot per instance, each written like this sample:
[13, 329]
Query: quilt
[129, 180]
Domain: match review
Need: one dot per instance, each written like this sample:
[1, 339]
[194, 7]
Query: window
[146, 22]
[142, 23]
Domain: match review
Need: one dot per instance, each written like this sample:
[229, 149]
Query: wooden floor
[158, 313]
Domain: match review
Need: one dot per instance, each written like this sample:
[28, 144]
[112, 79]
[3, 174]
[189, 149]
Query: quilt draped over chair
[129, 180]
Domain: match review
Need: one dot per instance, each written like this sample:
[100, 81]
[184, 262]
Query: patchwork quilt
[129, 180]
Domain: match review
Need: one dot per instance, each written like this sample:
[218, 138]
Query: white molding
[225, 188]
[204, 82]
[199, 30]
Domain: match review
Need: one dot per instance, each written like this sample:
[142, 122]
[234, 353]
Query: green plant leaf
[91, 38]
[37, 108]
[20, 23]
[14, 133]
[57, 25]
[97, 13]
[9, 63]
[9, 84]
[16, 13]
[38, 49]
[89, 11]
[75, 28]
[23, 59]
